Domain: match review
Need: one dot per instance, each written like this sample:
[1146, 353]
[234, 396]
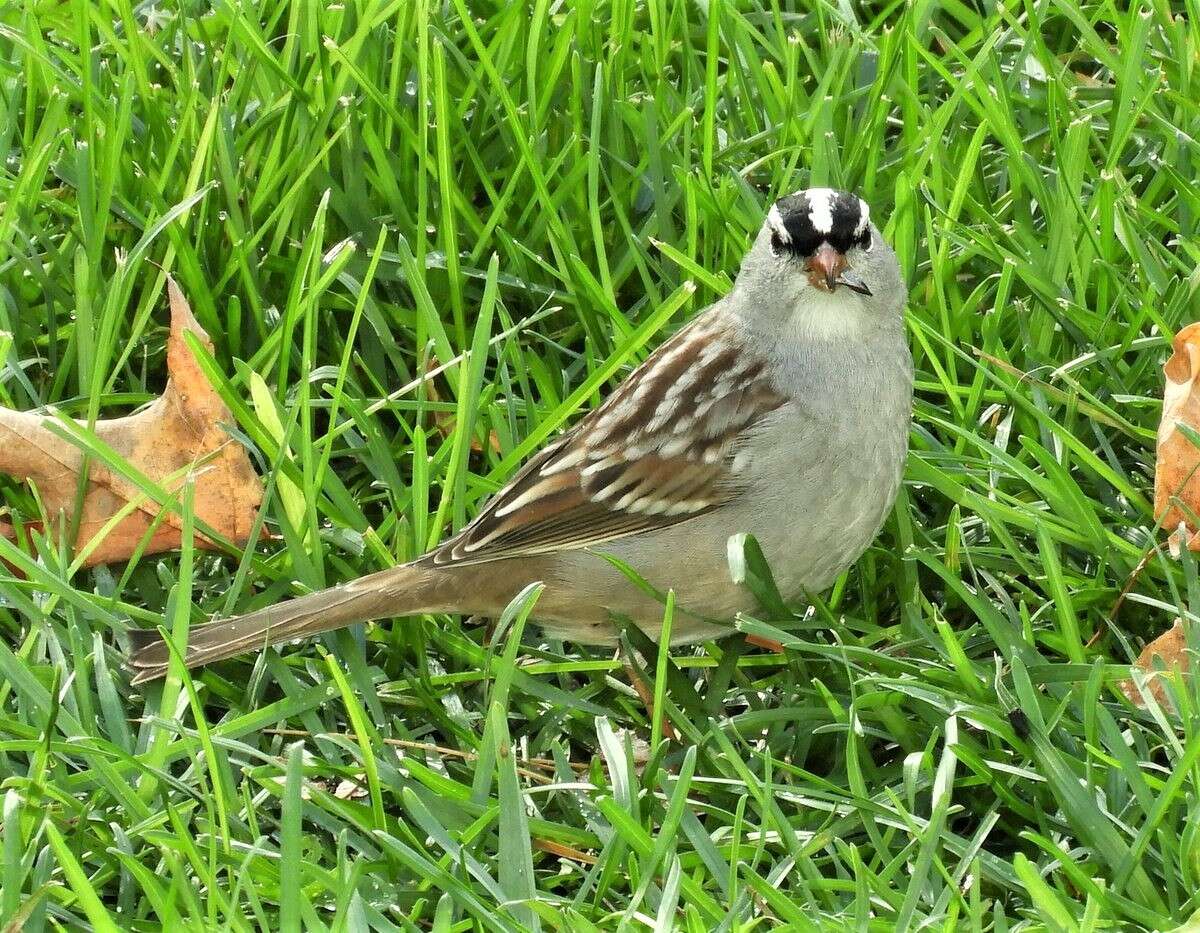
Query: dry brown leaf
[1163, 657]
[177, 434]
[1176, 477]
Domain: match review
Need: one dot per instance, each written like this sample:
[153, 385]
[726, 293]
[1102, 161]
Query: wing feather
[659, 451]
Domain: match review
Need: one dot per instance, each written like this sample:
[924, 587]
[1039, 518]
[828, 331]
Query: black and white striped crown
[801, 222]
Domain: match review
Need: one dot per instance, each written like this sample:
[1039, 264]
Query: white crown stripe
[820, 209]
[776, 222]
[821, 204]
[864, 216]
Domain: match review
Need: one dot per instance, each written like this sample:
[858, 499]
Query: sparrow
[782, 411]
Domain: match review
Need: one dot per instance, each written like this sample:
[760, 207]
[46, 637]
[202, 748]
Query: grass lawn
[533, 195]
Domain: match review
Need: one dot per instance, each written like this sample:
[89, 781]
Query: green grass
[532, 196]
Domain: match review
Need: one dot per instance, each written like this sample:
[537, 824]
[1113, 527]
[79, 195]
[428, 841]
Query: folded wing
[661, 449]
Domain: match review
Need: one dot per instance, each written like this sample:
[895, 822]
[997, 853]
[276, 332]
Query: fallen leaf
[179, 434]
[1164, 657]
[1176, 477]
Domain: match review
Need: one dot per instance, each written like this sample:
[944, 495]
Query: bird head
[818, 255]
[819, 228]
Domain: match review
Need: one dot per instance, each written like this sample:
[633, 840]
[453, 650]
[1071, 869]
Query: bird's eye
[803, 246]
[863, 242]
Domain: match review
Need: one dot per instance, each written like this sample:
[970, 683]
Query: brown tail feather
[399, 591]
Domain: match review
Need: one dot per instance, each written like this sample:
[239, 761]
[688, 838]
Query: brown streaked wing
[657, 452]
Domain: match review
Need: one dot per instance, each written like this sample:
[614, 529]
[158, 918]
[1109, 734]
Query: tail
[398, 591]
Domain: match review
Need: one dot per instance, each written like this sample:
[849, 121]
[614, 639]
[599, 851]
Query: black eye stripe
[843, 242]
[810, 246]
[805, 247]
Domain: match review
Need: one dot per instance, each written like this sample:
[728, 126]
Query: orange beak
[825, 267]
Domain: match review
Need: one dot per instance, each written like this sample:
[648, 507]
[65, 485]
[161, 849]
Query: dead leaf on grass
[1164, 657]
[1176, 473]
[178, 434]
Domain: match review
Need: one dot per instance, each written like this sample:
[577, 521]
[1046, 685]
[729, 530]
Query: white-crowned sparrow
[782, 410]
